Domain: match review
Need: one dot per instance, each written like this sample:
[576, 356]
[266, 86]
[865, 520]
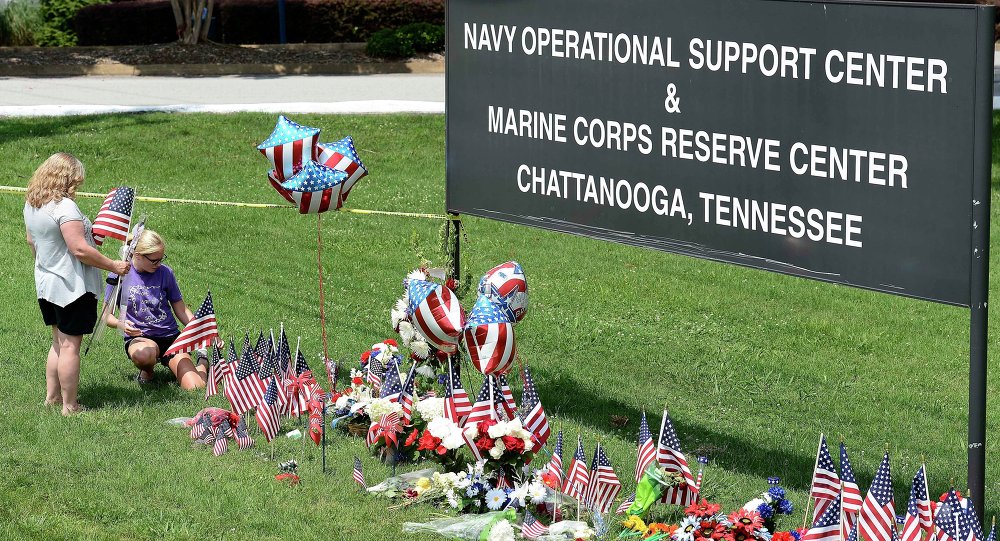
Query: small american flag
[391, 388]
[646, 450]
[199, 332]
[243, 388]
[993, 532]
[115, 214]
[267, 414]
[221, 444]
[482, 410]
[285, 354]
[406, 395]
[532, 527]
[968, 523]
[300, 363]
[533, 414]
[877, 521]
[555, 463]
[386, 427]
[918, 509]
[946, 518]
[374, 372]
[827, 527]
[242, 437]
[604, 485]
[851, 498]
[216, 372]
[198, 429]
[507, 395]
[670, 457]
[702, 460]
[359, 475]
[825, 482]
[456, 401]
[626, 503]
[578, 476]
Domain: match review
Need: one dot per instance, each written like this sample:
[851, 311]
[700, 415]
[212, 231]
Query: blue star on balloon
[313, 178]
[286, 131]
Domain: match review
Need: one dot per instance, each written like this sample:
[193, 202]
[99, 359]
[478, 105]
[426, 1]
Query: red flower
[484, 443]
[333, 398]
[412, 438]
[709, 530]
[702, 509]
[365, 356]
[550, 480]
[450, 284]
[513, 444]
[782, 536]
[484, 426]
[390, 342]
[357, 380]
[428, 442]
[410, 493]
[747, 521]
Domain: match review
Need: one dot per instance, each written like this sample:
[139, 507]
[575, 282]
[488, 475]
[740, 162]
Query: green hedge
[406, 41]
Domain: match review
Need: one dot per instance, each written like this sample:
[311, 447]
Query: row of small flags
[264, 378]
[840, 512]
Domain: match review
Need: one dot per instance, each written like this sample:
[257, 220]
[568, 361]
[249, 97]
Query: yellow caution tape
[18, 189]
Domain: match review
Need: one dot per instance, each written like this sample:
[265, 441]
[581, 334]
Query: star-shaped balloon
[289, 147]
[342, 155]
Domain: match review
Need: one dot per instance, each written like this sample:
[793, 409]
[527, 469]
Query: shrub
[57, 21]
[406, 40]
[136, 22]
[19, 20]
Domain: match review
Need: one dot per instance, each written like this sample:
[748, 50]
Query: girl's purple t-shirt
[150, 295]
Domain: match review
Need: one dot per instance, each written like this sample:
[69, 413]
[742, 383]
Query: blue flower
[472, 491]
[495, 499]
[777, 493]
[442, 379]
[785, 507]
[765, 510]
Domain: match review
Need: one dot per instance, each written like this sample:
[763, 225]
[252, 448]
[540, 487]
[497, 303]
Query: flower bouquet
[350, 406]
[770, 504]
[505, 446]
[703, 521]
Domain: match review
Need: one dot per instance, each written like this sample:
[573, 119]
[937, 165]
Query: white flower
[382, 406]
[406, 332]
[430, 409]
[519, 494]
[687, 528]
[453, 500]
[420, 348]
[501, 531]
[583, 533]
[498, 448]
[753, 504]
[495, 498]
[537, 491]
[341, 402]
[498, 430]
[472, 432]
[417, 275]
[426, 371]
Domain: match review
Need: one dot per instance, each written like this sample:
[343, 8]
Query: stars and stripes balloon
[489, 337]
[289, 147]
[435, 313]
[313, 176]
[506, 286]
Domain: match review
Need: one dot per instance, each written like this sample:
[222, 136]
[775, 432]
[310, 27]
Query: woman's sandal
[141, 380]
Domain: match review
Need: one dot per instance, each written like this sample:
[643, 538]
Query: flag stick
[109, 302]
[319, 264]
[809, 499]
[323, 432]
[843, 515]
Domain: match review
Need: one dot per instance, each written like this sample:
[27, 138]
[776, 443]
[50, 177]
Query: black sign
[836, 141]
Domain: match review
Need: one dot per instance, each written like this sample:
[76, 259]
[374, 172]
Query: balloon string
[319, 262]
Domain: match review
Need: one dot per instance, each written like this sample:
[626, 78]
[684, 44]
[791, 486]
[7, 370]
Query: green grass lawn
[752, 365]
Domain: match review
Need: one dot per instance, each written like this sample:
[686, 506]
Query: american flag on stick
[555, 463]
[244, 389]
[918, 509]
[532, 527]
[221, 444]
[851, 493]
[827, 527]
[507, 400]
[646, 450]
[604, 485]
[626, 503]
[877, 521]
[825, 482]
[578, 476]
[406, 396]
[267, 414]
[359, 475]
[946, 518]
[199, 332]
[216, 372]
[115, 215]
[670, 457]
[456, 401]
[533, 414]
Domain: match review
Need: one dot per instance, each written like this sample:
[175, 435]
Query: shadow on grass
[119, 393]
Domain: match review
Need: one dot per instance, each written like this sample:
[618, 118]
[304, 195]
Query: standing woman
[67, 271]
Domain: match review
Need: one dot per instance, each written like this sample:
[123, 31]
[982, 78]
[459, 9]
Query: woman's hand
[120, 267]
[128, 328]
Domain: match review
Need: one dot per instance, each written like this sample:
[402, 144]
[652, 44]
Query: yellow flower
[635, 524]
[422, 484]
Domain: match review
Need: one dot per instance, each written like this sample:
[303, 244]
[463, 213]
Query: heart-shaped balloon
[489, 337]
[507, 287]
[435, 313]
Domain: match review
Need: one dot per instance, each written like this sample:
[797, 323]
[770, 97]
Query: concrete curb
[211, 70]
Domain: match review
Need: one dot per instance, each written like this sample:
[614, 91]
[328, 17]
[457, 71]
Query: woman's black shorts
[75, 319]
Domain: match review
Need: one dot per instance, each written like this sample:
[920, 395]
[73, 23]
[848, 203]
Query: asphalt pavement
[383, 93]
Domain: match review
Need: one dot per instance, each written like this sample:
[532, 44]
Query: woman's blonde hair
[57, 177]
[149, 241]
